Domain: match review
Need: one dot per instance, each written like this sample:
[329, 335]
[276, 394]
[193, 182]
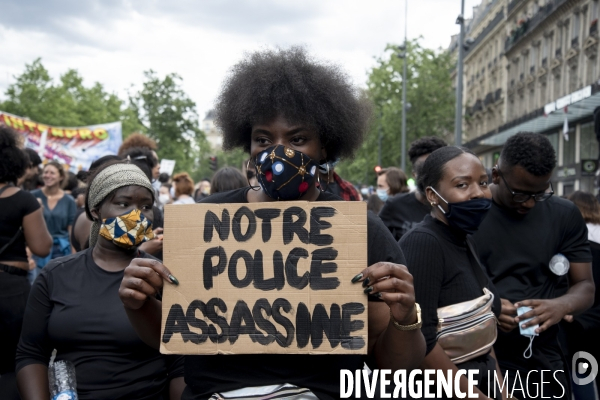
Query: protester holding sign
[74, 307]
[291, 113]
[448, 276]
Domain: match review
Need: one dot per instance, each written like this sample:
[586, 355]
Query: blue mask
[382, 194]
[466, 215]
[527, 332]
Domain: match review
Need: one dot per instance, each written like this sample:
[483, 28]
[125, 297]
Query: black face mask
[466, 215]
[284, 173]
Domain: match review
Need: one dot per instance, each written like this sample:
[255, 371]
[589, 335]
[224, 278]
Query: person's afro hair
[289, 83]
[13, 160]
[137, 140]
[424, 145]
[532, 151]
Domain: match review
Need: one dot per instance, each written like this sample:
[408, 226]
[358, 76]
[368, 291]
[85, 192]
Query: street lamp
[459, 75]
[405, 50]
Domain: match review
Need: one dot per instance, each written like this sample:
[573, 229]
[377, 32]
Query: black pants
[14, 291]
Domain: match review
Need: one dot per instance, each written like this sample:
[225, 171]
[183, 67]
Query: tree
[429, 92]
[66, 103]
[169, 116]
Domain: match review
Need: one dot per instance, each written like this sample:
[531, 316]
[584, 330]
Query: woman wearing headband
[283, 105]
[74, 305]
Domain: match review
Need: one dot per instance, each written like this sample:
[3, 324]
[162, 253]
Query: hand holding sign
[143, 278]
[393, 284]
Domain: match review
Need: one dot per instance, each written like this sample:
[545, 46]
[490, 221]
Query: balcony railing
[498, 94]
[486, 31]
[529, 25]
[575, 43]
[594, 27]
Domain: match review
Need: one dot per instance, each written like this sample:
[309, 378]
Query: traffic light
[377, 169]
[214, 163]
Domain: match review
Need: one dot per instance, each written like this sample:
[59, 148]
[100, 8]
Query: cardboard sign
[167, 166]
[265, 278]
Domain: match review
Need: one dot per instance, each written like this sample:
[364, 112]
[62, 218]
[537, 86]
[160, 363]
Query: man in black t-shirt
[524, 229]
[402, 212]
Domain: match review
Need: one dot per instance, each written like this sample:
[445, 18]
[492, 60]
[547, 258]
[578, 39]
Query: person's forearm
[397, 349]
[146, 321]
[32, 381]
[176, 387]
[437, 359]
[579, 297]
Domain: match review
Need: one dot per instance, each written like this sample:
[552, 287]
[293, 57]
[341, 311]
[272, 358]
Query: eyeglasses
[520, 197]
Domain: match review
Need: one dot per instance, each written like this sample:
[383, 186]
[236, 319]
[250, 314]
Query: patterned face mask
[127, 230]
[284, 173]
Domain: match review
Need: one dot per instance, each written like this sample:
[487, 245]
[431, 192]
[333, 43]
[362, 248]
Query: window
[532, 58]
[553, 138]
[545, 48]
[576, 23]
[588, 144]
[569, 148]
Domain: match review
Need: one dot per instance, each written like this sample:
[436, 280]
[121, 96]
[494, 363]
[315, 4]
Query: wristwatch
[411, 327]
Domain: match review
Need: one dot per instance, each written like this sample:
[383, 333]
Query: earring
[255, 188]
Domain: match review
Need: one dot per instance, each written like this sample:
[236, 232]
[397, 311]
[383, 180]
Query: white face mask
[164, 198]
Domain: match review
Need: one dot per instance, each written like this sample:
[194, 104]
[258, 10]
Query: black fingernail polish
[369, 289]
[376, 295]
[366, 282]
[173, 280]
[357, 278]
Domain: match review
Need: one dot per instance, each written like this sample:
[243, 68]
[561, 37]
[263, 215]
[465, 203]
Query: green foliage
[65, 103]
[430, 94]
[169, 116]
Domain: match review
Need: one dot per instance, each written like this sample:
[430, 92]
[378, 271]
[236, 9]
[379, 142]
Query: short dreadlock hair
[289, 83]
[532, 151]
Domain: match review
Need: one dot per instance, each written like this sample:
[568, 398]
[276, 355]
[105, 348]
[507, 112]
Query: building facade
[532, 65]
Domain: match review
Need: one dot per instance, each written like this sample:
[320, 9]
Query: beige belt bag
[467, 330]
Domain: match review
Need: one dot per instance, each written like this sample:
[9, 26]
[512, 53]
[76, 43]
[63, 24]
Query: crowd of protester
[461, 238]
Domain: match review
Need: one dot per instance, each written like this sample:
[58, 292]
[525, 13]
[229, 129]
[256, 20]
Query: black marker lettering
[196, 322]
[284, 341]
[348, 326]
[331, 325]
[211, 313]
[291, 268]
[221, 226]
[317, 225]
[318, 267]
[236, 225]
[290, 227]
[263, 323]
[302, 325]
[176, 323]
[278, 280]
[232, 270]
[209, 270]
[267, 214]
[241, 312]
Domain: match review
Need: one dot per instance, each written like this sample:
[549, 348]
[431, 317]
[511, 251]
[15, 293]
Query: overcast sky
[114, 41]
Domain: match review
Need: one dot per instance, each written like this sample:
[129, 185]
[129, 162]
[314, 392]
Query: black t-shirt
[12, 211]
[74, 307]
[443, 269]
[516, 251]
[206, 375]
[402, 212]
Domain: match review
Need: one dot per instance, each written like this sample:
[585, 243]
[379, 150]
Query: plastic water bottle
[559, 264]
[63, 385]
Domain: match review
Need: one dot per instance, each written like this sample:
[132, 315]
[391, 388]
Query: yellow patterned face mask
[127, 230]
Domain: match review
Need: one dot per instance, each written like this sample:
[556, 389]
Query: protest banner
[76, 147]
[265, 278]
[167, 166]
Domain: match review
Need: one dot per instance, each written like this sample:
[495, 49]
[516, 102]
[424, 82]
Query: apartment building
[532, 65]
